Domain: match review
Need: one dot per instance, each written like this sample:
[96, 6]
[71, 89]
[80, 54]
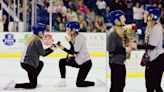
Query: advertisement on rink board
[15, 42]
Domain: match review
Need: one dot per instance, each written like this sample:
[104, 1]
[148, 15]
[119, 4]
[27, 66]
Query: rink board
[12, 45]
[96, 42]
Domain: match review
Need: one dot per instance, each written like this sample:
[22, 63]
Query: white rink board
[95, 41]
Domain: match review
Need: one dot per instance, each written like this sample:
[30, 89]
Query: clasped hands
[59, 45]
[130, 46]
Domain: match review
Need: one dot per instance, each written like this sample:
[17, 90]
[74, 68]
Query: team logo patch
[9, 39]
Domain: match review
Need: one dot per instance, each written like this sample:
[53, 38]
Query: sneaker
[10, 85]
[62, 83]
[99, 83]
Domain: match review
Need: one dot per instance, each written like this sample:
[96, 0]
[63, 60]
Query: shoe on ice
[10, 85]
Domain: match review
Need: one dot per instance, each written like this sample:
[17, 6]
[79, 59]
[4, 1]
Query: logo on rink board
[9, 39]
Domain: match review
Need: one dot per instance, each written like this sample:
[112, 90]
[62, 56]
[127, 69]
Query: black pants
[83, 72]
[32, 75]
[153, 74]
[118, 76]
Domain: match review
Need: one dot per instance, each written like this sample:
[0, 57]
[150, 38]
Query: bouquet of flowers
[130, 33]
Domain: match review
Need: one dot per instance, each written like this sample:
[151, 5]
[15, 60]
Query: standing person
[6, 17]
[154, 35]
[80, 59]
[99, 24]
[117, 51]
[0, 13]
[83, 24]
[30, 60]
[82, 8]
[138, 14]
[101, 5]
[1, 22]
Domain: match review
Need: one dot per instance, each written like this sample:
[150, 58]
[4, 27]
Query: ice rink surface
[50, 76]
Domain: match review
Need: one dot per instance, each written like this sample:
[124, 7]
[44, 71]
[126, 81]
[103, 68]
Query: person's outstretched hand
[53, 47]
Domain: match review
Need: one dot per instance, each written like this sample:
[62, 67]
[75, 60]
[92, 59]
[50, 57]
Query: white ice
[50, 76]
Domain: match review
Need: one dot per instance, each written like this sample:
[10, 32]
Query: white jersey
[80, 46]
[156, 39]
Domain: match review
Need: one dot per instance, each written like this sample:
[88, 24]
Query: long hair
[120, 33]
[148, 30]
[30, 40]
[125, 34]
